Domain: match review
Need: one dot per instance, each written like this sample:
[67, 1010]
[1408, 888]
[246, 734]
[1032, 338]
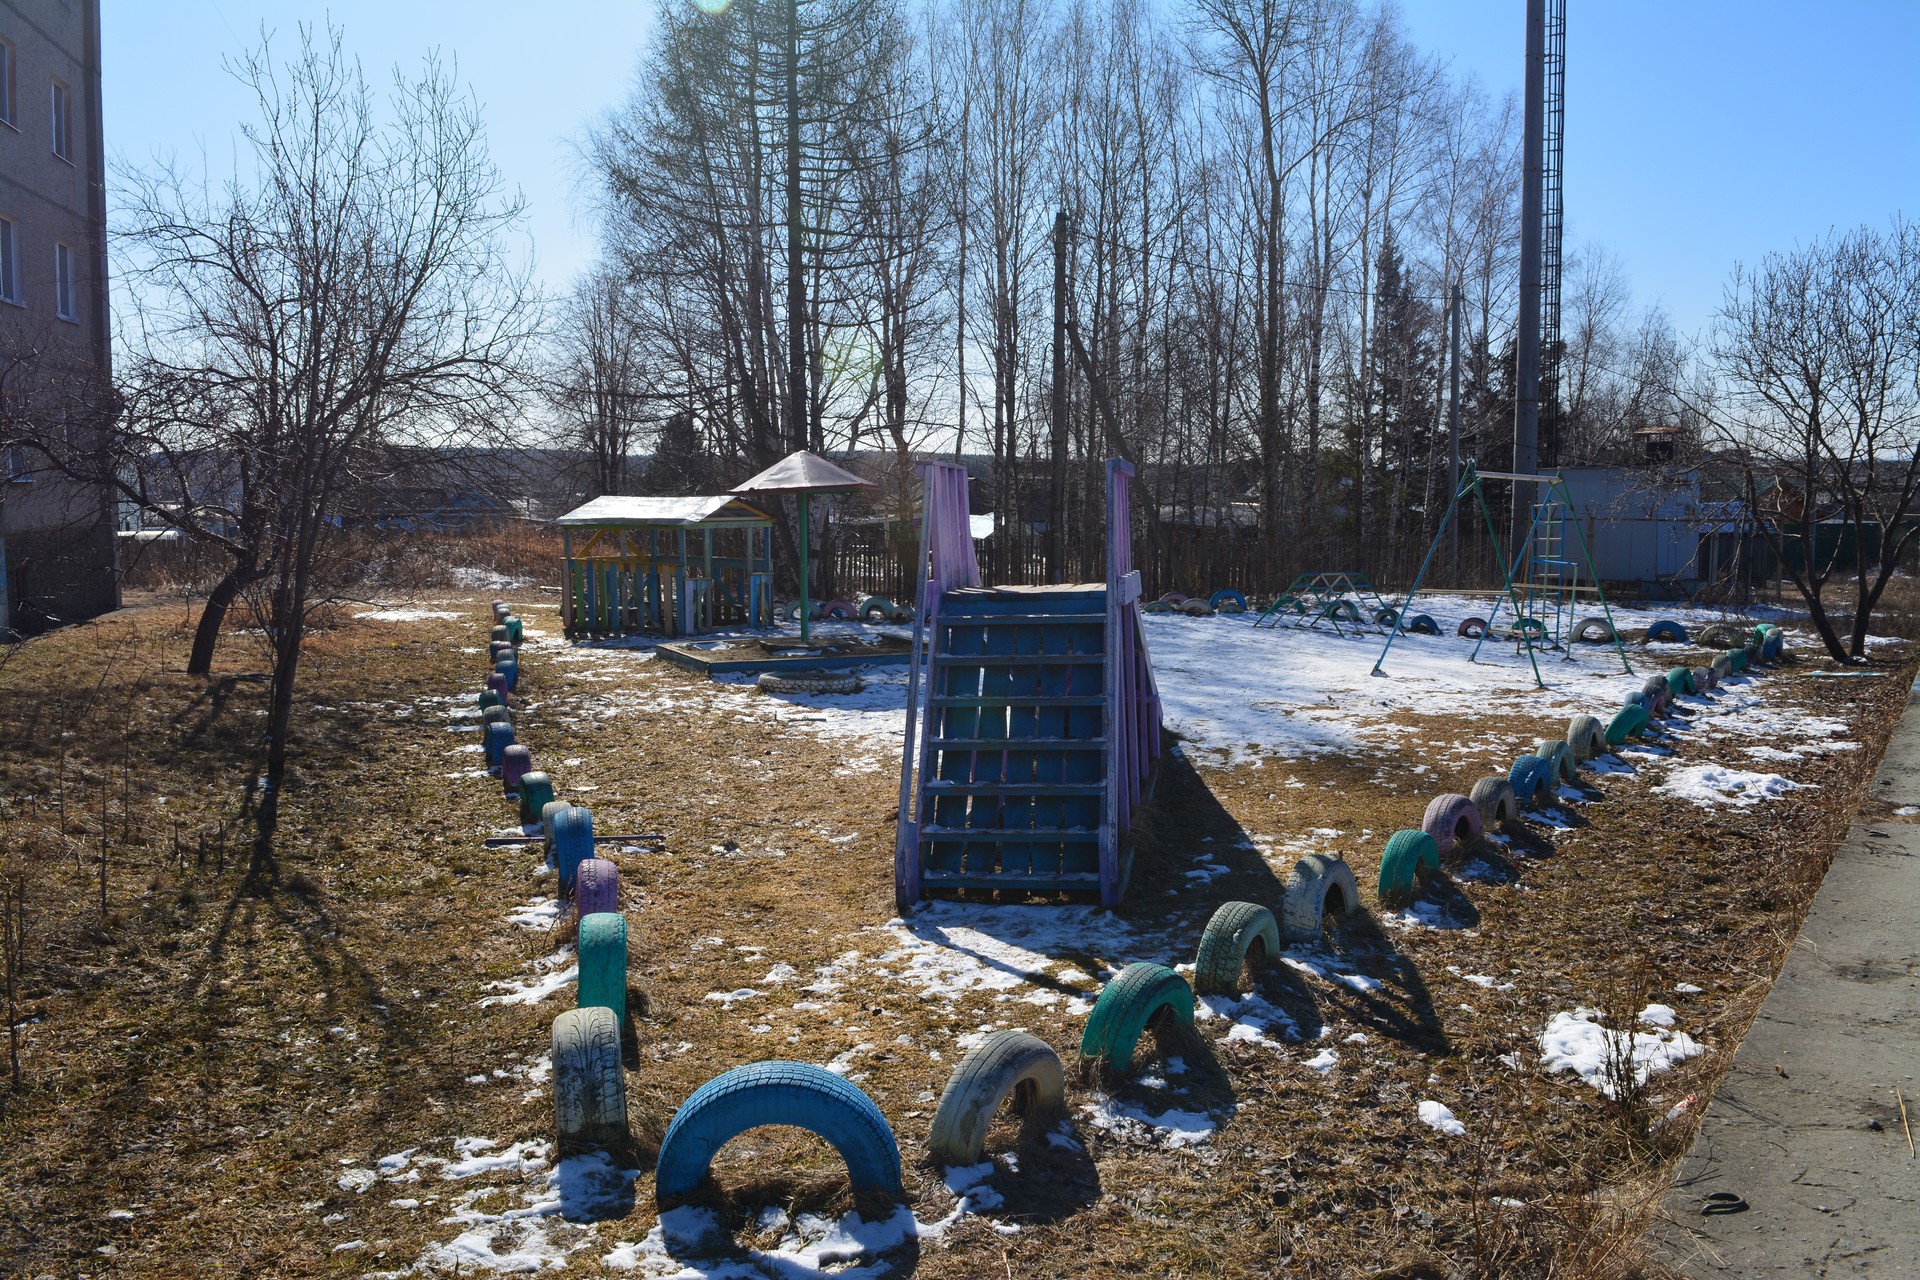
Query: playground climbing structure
[1033, 721]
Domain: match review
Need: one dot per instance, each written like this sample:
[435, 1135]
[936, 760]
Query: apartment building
[57, 534]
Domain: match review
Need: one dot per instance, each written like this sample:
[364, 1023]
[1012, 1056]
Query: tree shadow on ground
[1400, 1006]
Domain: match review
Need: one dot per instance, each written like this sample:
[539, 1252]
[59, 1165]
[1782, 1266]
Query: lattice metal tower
[1551, 344]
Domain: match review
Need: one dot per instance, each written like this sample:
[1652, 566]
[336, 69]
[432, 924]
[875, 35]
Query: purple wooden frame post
[946, 562]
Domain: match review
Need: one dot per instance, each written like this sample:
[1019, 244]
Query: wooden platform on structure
[755, 654]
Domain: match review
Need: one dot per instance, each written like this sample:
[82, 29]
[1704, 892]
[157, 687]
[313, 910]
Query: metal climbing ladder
[1542, 571]
[1036, 736]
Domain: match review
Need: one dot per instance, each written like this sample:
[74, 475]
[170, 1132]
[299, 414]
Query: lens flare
[713, 8]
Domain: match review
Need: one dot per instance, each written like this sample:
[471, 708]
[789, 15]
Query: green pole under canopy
[803, 474]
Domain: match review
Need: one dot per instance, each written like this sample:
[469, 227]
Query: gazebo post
[806, 607]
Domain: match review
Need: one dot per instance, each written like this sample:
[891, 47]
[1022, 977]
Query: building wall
[1642, 526]
[57, 534]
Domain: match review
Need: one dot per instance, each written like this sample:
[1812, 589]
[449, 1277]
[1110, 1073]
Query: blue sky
[1699, 132]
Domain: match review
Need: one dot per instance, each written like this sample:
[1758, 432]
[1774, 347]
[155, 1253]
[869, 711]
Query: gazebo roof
[616, 510]
[803, 472]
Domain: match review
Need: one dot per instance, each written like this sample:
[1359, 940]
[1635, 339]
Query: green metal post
[806, 605]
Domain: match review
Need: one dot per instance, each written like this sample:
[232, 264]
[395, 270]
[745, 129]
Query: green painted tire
[536, 793]
[1131, 1003]
[516, 630]
[603, 963]
[1736, 660]
[1625, 723]
[1240, 934]
[1680, 680]
[491, 698]
[1407, 860]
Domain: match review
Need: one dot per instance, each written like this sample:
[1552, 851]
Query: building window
[19, 465]
[62, 121]
[9, 264]
[6, 83]
[63, 282]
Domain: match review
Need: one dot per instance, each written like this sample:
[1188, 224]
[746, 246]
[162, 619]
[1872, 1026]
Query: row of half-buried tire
[589, 1080]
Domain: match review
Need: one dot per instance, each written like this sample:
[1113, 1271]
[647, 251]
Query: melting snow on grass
[1577, 1042]
[1710, 785]
[1438, 1116]
[1170, 1128]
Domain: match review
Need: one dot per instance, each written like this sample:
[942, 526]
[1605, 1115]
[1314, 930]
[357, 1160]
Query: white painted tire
[1586, 738]
[1318, 883]
[589, 1084]
[1006, 1065]
[812, 682]
[1494, 797]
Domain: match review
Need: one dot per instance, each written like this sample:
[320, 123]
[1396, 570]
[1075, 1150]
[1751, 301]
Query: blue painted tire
[572, 842]
[1665, 630]
[1423, 624]
[1407, 860]
[603, 963]
[1127, 1006]
[499, 736]
[1532, 779]
[1386, 618]
[509, 670]
[1218, 601]
[788, 1093]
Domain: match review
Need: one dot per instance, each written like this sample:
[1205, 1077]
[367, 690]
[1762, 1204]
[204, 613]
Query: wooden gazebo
[666, 566]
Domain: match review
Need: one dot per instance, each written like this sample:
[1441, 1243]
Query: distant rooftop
[617, 509]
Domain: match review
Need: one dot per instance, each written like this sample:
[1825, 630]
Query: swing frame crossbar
[1556, 492]
[1319, 590]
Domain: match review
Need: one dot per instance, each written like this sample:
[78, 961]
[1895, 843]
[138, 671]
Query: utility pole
[1453, 433]
[1057, 510]
[797, 431]
[1526, 408]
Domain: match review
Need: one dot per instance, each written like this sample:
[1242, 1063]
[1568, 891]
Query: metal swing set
[1541, 584]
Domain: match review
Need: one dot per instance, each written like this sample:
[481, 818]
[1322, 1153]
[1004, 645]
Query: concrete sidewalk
[1792, 1129]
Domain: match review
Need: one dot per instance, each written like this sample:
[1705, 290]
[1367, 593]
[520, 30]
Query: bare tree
[597, 384]
[1819, 350]
[348, 295]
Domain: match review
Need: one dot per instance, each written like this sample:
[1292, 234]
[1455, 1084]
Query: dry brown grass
[185, 1063]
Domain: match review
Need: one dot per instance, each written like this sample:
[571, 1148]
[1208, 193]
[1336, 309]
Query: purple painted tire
[839, 610]
[516, 762]
[498, 683]
[596, 887]
[1453, 821]
[1173, 599]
